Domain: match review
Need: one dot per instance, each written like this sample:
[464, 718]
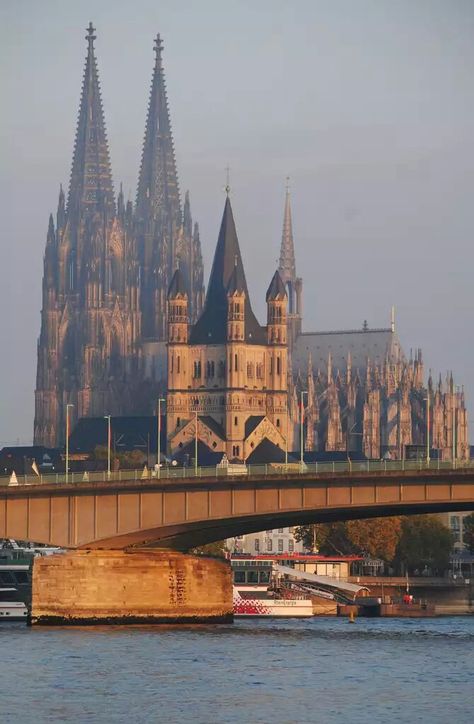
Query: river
[314, 670]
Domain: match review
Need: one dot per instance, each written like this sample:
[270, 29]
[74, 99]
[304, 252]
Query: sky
[368, 106]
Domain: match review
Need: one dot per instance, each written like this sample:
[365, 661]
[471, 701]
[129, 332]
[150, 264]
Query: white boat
[10, 608]
[262, 604]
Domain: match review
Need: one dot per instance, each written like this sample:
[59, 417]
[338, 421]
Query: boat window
[6, 578]
[21, 576]
[264, 576]
[239, 577]
[252, 577]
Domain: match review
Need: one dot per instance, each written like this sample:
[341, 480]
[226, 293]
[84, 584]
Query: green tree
[424, 541]
[468, 535]
[217, 549]
[377, 537]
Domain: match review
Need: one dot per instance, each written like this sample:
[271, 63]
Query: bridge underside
[190, 535]
[185, 514]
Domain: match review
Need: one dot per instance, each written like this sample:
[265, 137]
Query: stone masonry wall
[145, 586]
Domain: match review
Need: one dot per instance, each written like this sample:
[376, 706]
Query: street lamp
[196, 445]
[67, 438]
[107, 417]
[158, 441]
[302, 393]
[427, 399]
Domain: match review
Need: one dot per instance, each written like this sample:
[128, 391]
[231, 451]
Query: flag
[145, 473]
[34, 468]
[13, 479]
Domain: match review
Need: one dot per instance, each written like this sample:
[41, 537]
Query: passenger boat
[255, 596]
[11, 609]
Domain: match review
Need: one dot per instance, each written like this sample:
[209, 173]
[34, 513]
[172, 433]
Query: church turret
[61, 212]
[236, 306]
[276, 299]
[178, 317]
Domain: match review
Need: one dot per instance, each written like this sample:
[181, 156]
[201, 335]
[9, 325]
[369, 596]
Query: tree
[215, 550]
[325, 538]
[469, 532]
[424, 542]
[377, 537]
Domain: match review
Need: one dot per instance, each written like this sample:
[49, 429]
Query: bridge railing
[235, 471]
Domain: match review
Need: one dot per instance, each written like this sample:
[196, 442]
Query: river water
[315, 670]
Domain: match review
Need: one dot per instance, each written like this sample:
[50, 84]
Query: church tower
[164, 231]
[89, 344]
[287, 271]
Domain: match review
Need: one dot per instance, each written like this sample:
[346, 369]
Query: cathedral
[125, 320]
[107, 269]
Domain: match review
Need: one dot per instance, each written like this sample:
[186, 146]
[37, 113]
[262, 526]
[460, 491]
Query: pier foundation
[139, 587]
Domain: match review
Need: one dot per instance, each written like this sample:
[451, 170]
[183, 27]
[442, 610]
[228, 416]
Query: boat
[255, 595]
[11, 609]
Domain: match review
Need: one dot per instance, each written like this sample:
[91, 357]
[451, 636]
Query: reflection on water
[318, 670]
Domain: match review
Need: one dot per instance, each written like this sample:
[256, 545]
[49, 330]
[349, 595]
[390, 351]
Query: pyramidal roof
[276, 290]
[91, 178]
[158, 188]
[227, 272]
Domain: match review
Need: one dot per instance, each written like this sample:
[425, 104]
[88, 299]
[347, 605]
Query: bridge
[136, 510]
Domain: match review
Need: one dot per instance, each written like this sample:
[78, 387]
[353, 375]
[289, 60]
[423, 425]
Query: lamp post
[107, 417]
[158, 441]
[428, 428]
[302, 393]
[196, 445]
[68, 406]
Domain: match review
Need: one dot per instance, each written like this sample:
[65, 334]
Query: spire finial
[287, 184]
[90, 37]
[158, 48]
[392, 319]
[227, 180]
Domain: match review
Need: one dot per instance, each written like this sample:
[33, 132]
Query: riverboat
[255, 594]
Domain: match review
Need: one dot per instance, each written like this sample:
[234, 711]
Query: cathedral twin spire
[91, 178]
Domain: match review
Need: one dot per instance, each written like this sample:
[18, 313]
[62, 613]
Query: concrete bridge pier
[142, 586]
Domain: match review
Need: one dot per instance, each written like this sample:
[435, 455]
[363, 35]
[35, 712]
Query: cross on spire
[90, 37]
[158, 48]
[227, 180]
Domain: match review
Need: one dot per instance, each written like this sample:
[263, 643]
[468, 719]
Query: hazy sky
[367, 104]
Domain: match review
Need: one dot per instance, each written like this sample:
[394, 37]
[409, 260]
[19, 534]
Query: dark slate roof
[266, 452]
[361, 343]
[213, 425]
[128, 433]
[206, 456]
[236, 281]
[178, 285]
[211, 327]
[251, 423]
[276, 290]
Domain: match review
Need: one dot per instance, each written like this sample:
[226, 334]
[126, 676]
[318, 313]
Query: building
[107, 345]
[227, 374]
[250, 388]
[278, 541]
[107, 268]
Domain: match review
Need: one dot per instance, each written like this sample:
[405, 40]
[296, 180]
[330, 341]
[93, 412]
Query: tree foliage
[376, 537]
[217, 549]
[424, 542]
[469, 532]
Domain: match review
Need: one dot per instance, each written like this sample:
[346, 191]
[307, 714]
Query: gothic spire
[158, 191]
[91, 179]
[287, 266]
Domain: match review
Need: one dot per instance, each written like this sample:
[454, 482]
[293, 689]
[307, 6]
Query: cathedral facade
[107, 268]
